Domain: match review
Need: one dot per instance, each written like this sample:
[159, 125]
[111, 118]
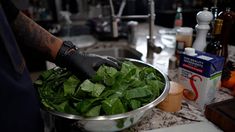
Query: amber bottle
[215, 46]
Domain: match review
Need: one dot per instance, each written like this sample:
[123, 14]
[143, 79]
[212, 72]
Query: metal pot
[62, 122]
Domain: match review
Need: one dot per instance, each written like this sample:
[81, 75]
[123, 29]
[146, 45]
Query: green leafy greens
[109, 92]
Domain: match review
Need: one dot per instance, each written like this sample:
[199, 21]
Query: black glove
[83, 65]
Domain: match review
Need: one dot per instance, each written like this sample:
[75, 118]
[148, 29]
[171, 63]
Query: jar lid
[190, 51]
[185, 31]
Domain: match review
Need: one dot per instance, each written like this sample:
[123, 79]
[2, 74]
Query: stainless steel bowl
[62, 122]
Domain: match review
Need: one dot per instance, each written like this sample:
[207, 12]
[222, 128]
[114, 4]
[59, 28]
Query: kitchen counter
[187, 115]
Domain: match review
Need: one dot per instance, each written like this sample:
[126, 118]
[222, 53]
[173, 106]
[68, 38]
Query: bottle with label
[215, 46]
[178, 18]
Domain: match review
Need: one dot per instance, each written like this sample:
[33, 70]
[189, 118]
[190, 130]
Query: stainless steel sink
[114, 50]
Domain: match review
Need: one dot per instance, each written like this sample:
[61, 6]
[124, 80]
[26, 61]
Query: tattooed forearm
[31, 34]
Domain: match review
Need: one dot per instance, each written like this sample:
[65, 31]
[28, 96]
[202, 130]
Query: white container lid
[185, 30]
[190, 51]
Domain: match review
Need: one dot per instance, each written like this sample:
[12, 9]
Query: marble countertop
[188, 114]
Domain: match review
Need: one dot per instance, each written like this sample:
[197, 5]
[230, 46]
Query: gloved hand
[83, 65]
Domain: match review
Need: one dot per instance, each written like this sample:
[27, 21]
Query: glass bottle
[178, 18]
[215, 46]
[228, 20]
[214, 11]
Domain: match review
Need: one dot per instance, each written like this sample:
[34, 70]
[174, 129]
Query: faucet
[151, 47]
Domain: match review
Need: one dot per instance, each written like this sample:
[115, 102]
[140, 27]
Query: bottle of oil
[215, 46]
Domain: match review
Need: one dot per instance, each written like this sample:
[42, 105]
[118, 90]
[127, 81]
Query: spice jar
[184, 37]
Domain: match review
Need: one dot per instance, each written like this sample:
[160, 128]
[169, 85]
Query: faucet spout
[151, 47]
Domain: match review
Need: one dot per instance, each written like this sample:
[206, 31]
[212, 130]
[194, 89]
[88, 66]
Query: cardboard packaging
[200, 73]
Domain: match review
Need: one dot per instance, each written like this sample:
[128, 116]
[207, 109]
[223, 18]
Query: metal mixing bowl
[63, 122]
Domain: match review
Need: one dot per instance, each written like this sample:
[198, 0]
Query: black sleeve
[10, 10]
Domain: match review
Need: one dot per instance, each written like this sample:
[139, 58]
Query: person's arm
[29, 33]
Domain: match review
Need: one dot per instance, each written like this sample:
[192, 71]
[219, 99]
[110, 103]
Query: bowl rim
[122, 115]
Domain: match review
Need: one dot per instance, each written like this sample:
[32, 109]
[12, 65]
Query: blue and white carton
[200, 73]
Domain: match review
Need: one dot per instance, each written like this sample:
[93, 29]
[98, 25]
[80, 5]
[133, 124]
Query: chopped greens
[109, 92]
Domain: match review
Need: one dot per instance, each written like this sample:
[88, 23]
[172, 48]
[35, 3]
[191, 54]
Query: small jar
[185, 34]
[172, 103]
[184, 37]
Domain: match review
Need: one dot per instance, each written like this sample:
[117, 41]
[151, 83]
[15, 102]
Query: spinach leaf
[47, 74]
[113, 106]
[127, 66]
[94, 89]
[138, 93]
[135, 104]
[95, 111]
[60, 107]
[106, 75]
[69, 108]
[85, 105]
[70, 85]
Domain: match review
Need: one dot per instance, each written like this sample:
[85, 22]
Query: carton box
[200, 73]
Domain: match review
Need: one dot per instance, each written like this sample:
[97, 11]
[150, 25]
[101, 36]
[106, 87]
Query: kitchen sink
[114, 50]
